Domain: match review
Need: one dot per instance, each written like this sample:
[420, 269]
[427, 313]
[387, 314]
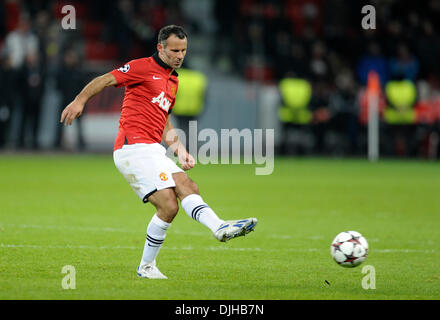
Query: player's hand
[71, 112]
[186, 160]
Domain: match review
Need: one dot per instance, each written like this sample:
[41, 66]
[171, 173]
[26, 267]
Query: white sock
[156, 233]
[197, 209]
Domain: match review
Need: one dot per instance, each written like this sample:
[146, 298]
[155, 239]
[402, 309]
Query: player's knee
[167, 211]
[171, 208]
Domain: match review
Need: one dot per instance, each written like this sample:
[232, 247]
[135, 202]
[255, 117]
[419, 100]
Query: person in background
[70, 80]
[34, 77]
[404, 65]
[19, 44]
[5, 104]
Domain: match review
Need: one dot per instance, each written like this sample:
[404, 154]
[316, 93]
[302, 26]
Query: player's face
[174, 52]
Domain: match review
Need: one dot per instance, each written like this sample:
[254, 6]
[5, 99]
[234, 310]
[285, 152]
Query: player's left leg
[188, 193]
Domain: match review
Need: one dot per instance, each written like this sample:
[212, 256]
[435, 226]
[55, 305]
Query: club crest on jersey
[124, 68]
[163, 176]
[162, 101]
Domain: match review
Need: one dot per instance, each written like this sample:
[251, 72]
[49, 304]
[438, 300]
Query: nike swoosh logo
[155, 78]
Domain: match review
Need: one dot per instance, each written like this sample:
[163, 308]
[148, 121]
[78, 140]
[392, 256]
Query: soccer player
[150, 90]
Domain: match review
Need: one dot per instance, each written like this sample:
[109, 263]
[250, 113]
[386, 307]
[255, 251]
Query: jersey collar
[163, 64]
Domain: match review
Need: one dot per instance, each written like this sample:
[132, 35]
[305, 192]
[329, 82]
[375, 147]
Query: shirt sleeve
[129, 74]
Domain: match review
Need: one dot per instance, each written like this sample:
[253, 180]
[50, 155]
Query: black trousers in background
[29, 124]
[60, 131]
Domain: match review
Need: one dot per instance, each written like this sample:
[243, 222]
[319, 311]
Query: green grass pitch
[58, 210]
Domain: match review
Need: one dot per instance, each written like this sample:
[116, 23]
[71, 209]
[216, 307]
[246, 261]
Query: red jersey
[150, 93]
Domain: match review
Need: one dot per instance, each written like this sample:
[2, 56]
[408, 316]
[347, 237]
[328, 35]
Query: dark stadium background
[245, 48]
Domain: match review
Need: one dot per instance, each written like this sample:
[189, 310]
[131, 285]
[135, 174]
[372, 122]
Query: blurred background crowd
[261, 41]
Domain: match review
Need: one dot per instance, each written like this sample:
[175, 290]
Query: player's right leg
[143, 167]
[167, 207]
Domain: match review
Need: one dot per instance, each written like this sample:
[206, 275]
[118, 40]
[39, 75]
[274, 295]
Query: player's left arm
[171, 139]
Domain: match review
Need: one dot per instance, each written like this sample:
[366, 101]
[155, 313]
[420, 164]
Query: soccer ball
[349, 249]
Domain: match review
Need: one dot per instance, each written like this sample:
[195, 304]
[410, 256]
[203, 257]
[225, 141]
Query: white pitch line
[404, 251]
[95, 229]
[210, 248]
[110, 229]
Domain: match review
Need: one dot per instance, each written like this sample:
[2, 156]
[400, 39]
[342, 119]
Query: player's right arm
[76, 107]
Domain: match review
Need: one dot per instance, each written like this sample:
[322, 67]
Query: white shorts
[146, 168]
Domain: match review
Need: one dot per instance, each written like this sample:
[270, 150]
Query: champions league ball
[349, 249]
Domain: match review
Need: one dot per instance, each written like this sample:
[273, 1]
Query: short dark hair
[167, 31]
